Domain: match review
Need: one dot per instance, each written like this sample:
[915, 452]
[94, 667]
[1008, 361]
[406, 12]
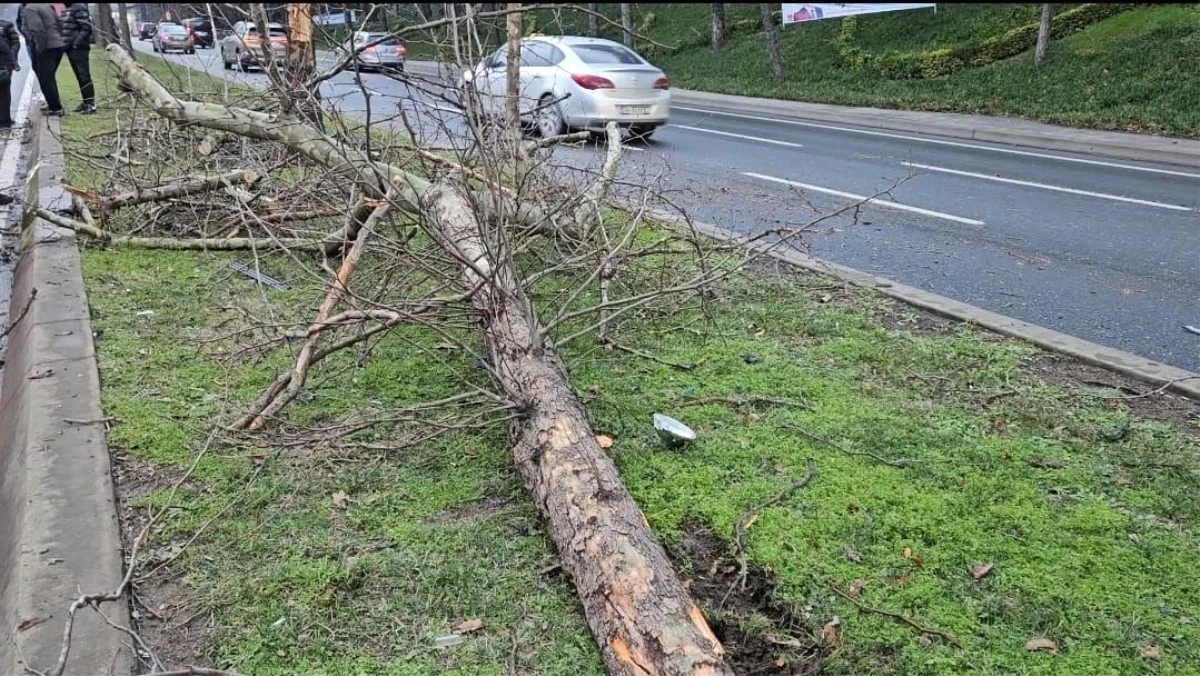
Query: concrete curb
[1171, 378]
[1010, 131]
[59, 535]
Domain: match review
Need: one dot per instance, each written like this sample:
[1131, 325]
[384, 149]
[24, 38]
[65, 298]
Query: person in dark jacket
[77, 32]
[10, 49]
[43, 28]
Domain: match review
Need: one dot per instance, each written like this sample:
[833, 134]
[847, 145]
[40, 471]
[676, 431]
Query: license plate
[634, 110]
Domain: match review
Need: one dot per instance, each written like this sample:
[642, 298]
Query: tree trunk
[639, 612]
[627, 24]
[1043, 39]
[772, 42]
[105, 30]
[123, 26]
[718, 25]
[305, 102]
[512, 73]
[593, 20]
[641, 616]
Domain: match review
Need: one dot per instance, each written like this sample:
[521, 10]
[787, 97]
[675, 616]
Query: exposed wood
[170, 191]
[301, 64]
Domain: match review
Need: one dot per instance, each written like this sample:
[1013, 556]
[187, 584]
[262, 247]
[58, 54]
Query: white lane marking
[741, 136]
[1044, 186]
[956, 144]
[875, 201]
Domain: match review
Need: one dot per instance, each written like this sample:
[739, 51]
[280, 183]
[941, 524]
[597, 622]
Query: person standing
[10, 50]
[43, 28]
[77, 33]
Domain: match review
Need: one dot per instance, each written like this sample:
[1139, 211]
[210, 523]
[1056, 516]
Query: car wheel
[549, 117]
[191, 51]
[641, 133]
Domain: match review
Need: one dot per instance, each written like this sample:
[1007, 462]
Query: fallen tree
[643, 619]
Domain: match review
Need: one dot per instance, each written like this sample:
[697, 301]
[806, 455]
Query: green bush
[941, 62]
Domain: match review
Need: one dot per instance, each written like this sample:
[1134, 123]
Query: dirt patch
[711, 575]
[1125, 392]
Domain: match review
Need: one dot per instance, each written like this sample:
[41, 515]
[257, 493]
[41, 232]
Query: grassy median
[970, 484]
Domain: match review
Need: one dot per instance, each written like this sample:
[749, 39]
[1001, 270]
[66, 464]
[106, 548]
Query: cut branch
[177, 243]
[172, 191]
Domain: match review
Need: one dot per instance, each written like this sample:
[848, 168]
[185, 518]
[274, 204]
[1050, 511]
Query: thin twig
[902, 463]
[749, 400]
[895, 616]
[647, 355]
[751, 515]
[1153, 392]
[24, 311]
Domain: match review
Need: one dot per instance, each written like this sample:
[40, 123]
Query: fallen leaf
[605, 441]
[900, 581]
[856, 588]
[340, 500]
[981, 569]
[1150, 652]
[853, 555]
[907, 552]
[29, 623]
[780, 662]
[1041, 643]
[467, 626]
[750, 522]
[830, 634]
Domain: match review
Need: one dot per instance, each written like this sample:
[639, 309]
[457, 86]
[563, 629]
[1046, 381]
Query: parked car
[173, 36]
[383, 53]
[578, 83]
[243, 46]
[201, 31]
[146, 30]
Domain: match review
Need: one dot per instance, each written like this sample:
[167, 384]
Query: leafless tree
[1043, 38]
[123, 26]
[772, 42]
[718, 25]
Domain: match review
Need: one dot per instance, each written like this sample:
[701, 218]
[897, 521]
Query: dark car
[146, 30]
[201, 31]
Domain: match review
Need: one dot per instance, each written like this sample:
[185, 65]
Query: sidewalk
[1012, 131]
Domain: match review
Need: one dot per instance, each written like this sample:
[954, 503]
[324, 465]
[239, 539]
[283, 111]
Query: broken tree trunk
[639, 612]
[642, 617]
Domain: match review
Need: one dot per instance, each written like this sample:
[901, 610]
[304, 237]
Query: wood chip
[605, 441]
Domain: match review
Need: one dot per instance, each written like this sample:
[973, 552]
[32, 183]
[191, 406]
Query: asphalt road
[1108, 251]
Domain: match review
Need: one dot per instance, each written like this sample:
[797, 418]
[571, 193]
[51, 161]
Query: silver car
[578, 83]
[384, 53]
[172, 36]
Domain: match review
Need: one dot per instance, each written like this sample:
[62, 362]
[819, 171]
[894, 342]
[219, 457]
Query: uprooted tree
[468, 233]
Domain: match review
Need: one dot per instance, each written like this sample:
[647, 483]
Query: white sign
[796, 13]
[335, 18]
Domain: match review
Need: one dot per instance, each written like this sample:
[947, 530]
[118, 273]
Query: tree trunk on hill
[593, 20]
[718, 25]
[123, 26]
[772, 42]
[627, 24]
[1043, 39]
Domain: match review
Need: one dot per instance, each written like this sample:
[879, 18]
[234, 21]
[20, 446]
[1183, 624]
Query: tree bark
[718, 25]
[639, 612]
[123, 26]
[1043, 38]
[301, 64]
[627, 24]
[772, 42]
[512, 73]
[105, 30]
[593, 20]
[171, 191]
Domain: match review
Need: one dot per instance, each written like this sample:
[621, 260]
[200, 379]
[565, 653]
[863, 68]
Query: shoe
[56, 113]
[85, 108]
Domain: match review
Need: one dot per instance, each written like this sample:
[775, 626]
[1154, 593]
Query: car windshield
[603, 54]
[173, 30]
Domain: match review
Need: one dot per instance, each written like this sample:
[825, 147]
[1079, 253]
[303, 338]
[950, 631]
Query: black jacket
[10, 48]
[77, 25]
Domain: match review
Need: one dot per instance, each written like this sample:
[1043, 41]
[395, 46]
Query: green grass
[1098, 554]
[1135, 71]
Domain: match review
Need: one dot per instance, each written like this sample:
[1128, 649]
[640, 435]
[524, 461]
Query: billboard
[797, 13]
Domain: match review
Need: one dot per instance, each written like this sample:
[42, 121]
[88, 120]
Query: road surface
[1108, 251]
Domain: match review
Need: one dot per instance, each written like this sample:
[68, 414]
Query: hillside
[1124, 67]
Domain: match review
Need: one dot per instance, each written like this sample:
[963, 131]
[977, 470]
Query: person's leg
[81, 66]
[6, 100]
[49, 61]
